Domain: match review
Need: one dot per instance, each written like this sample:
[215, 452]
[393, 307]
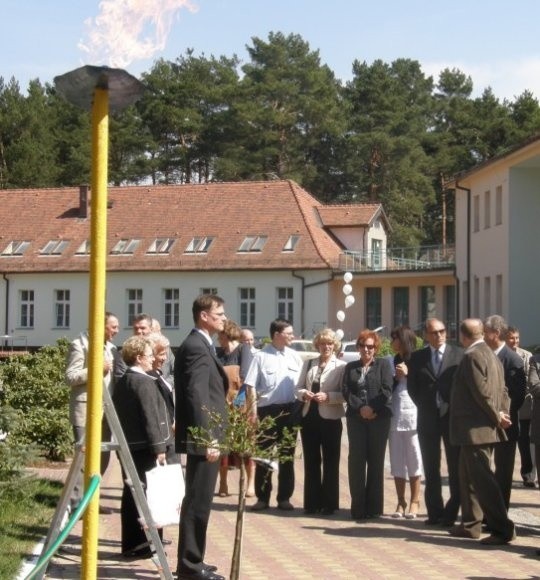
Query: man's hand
[366, 412]
[504, 420]
[161, 458]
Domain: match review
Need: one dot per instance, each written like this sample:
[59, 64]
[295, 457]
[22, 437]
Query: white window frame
[16, 248]
[161, 246]
[134, 303]
[125, 247]
[285, 303]
[291, 243]
[171, 307]
[252, 244]
[54, 248]
[247, 300]
[199, 245]
[62, 308]
[26, 308]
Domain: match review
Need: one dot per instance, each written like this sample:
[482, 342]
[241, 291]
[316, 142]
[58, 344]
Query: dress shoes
[259, 506]
[204, 574]
[497, 540]
[433, 522]
[463, 532]
[285, 505]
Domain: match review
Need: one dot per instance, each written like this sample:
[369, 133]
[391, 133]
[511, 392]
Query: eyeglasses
[440, 331]
[148, 355]
[368, 346]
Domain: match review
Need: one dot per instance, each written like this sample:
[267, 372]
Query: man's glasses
[440, 331]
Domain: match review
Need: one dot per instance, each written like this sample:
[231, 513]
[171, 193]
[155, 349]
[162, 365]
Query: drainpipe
[468, 269]
[303, 295]
[6, 328]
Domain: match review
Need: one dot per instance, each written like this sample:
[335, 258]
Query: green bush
[13, 455]
[33, 385]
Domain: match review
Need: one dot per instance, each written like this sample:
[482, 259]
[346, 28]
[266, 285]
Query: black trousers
[285, 418]
[321, 444]
[430, 447]
[133, 536]
[504, 459]
[201, 477]
[524, 446]
[367, 447]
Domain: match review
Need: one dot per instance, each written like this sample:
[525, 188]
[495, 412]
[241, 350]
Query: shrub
[33, 385]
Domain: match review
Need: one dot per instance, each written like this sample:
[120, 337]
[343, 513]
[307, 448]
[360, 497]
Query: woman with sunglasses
[367, 389]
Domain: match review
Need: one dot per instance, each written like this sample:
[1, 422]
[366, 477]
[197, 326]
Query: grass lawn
[26, 510]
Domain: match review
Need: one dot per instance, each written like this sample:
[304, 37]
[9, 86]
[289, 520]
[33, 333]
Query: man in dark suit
[495, 329]
[201, 385]
[478, 419]
[431, 374]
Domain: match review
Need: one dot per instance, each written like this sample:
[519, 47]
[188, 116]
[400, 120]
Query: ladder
[119, 444]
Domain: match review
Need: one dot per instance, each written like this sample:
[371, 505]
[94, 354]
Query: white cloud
[507, 78]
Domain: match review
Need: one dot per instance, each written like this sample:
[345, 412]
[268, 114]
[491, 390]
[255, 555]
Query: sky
[494, 42]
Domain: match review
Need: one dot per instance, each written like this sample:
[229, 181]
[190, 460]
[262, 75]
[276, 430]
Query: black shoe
[209, 567]
[140, 554]
[327, 511]
[433, 522]
[202, 575]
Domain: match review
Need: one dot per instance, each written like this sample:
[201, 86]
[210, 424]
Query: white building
[268, 248]
[497, 222]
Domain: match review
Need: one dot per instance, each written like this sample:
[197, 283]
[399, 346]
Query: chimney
[84, 200]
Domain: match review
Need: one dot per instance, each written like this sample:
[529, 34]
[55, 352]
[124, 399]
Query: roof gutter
[6, 322]
[303, 295]
[468, 252]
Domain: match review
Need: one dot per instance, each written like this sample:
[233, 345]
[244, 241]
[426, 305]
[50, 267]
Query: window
[83, 249]
[476, 296]
[54, 248]
[15, 248]
[26, 309]
[253, 244]
[450, 311]
[376, 254]
[400, 305]
[125, 247]
[61, 308]
[209, 291]
[487, 296]
[160, 246]
[427, 303]
[476, 213]
[199, 245]
[171, 306]
[499, 293]
[498, 206]
[247, 307]
[134, 304]
[373, 307]
[487, 209]
[285, 303]
[290, 246]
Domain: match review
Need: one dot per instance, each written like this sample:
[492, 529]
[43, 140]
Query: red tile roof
[226, 211]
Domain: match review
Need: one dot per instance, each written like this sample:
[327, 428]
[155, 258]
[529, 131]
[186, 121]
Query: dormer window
[290, 246]
[253, 244]
[160, 246]
[15, 248]
[83, 249]
[199, 245]
[54, 248]
[124, 247]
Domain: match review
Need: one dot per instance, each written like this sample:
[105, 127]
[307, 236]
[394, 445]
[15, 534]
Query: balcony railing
[398, 259]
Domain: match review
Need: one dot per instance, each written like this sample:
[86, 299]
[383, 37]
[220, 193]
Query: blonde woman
[319, 387]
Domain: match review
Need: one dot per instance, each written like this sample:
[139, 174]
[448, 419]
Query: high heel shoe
[413, 510]
[400, 509]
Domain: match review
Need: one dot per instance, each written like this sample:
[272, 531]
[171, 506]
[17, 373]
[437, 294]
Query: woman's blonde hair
[326, 335]
[134, 347]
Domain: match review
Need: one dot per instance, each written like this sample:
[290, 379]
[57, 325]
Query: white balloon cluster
[349, 301]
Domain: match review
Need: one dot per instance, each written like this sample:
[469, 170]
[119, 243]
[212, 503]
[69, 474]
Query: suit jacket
[516, 383]
[331, 379]
[76, 376]
[201, 385]
[478, 395]
[376, 390]
[142, 412]
[534, 388]
[423, 384]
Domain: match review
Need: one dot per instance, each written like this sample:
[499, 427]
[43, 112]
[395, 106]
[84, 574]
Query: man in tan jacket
[478, 416]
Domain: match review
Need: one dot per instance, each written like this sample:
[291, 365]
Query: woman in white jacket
[319, 387]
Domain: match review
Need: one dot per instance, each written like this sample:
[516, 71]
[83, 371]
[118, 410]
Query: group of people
[465, 399]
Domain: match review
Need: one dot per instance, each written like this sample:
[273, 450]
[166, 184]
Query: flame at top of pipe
[129, 30]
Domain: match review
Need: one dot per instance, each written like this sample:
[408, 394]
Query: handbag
[164, 493]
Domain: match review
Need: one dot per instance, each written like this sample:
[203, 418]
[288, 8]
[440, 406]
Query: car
[348, 351]
[304, 348]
